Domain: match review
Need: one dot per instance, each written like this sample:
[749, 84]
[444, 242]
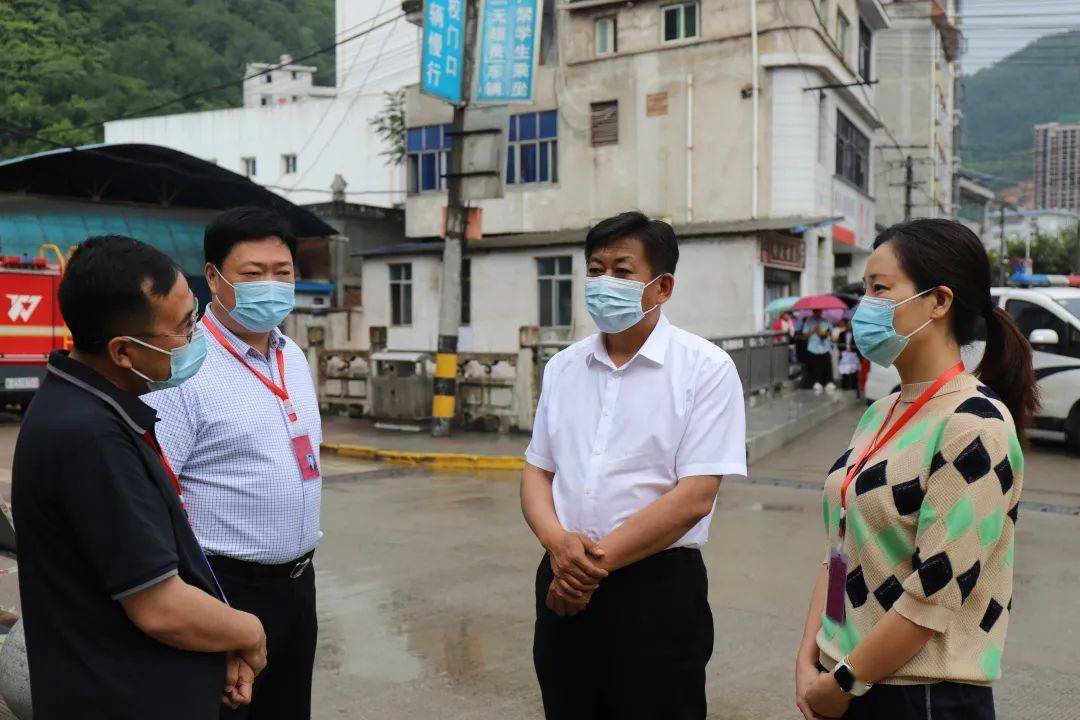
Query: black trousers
[940, 701]
[638, 650]
[286, 607]
[818, 369]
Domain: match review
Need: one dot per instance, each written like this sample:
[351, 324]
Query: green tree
[389, 125]
[1050, 254]
[69, 65]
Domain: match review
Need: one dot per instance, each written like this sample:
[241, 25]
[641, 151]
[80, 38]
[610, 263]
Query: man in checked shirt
[243, 435]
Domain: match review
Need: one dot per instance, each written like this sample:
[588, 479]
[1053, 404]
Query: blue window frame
[533, 149]
[428, 152]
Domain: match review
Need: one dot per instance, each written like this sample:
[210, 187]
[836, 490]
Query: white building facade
[294, 137]
[918, 68]
[1026, 225]
[650, 106]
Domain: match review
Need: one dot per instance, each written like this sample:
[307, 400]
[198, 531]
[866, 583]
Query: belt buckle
[299, 568]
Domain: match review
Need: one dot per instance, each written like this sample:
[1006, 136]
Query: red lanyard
[281, 392]
[880, 440]
[165, 464]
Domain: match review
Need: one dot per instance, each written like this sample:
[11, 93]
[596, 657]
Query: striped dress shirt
[228, 438]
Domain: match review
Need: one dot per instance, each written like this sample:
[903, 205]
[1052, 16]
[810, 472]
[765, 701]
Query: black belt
[231, 566]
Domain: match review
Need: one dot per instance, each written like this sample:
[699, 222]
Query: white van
[1050, 317]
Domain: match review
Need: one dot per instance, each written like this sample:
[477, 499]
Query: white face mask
[615, 303]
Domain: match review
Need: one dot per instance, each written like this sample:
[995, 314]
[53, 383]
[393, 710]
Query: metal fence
[762, 359]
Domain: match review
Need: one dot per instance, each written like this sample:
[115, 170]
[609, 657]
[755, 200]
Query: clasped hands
[241, 669]
[817, 694]
[575, 561]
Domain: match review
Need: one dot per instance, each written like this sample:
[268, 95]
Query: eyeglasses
[187, 336]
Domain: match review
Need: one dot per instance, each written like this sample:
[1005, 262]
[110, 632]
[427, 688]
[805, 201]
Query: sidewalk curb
[438, 460]
[779, 435]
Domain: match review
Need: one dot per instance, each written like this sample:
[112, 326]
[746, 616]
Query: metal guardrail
[762, 359]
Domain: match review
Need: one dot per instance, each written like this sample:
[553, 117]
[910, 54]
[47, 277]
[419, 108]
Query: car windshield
[1070, 304]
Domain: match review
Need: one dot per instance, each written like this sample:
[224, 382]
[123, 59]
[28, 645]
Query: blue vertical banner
[509, 48]
[442, 57]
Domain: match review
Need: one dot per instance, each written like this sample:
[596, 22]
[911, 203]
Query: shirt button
[598, 451]
[607, 413]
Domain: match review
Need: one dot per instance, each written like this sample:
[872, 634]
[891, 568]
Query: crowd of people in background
[825, 351]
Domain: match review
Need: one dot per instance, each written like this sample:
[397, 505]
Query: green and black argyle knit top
[929, 531]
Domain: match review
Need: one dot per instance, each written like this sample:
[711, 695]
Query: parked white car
[1050, 317]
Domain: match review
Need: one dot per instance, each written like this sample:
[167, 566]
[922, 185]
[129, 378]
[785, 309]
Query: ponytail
[1006, 366]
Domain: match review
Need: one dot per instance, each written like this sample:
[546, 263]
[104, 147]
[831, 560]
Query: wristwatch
[845, 678]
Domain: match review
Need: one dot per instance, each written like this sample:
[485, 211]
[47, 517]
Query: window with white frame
[533, 149]
[288, 163]
[606, 40]
[843, 25]
[250, 166]
[556, 290]
[680, 21]
[401, 293]
[428, 154]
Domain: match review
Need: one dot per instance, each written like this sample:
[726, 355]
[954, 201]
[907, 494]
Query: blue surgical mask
[184, 361]
[261, 305]
[615, 303]
[872, 326]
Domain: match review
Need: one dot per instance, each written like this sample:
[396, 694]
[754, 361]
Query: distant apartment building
[648, 106]
[917, 73]
[1057, 164]
[293, 136]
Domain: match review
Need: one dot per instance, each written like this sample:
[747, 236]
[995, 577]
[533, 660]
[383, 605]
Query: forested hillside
[66, 65]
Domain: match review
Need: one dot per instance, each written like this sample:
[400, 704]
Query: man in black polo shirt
[124, 618]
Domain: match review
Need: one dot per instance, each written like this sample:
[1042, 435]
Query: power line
[341, 79]
[348, 109]
[230, 83]
[329, 191]
[103, 152]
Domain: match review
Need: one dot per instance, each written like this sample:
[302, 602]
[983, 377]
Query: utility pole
[445, 398]
[909, 184]
[1002, 250]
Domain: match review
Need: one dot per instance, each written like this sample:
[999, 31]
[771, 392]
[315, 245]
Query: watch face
[844, 678]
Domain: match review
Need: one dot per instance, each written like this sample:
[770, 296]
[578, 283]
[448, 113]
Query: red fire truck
[30, 323]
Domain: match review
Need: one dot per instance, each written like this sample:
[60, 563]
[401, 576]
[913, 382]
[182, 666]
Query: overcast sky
[997, 28]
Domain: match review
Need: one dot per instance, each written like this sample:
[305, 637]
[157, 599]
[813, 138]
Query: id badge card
[305, 457]
[836, 598]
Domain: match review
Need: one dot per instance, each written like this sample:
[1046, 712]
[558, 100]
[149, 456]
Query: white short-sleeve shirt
[619, 438]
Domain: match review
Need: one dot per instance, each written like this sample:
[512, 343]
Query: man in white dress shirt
[634, 430]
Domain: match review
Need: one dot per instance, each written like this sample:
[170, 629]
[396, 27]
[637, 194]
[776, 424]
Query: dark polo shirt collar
[140, 416]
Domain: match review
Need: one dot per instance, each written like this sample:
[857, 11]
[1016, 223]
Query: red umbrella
[820, 302]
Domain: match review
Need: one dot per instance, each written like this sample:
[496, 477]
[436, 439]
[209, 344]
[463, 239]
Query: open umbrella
[780, 305]
[820, 302]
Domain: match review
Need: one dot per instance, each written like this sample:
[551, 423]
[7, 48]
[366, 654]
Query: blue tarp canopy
[23, 232]
[150, 192]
